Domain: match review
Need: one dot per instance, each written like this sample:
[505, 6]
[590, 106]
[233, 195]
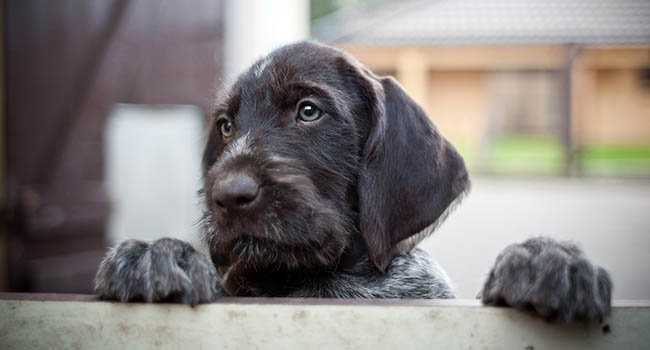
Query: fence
[46, 321]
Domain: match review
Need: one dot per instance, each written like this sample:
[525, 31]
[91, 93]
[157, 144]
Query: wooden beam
[81, 322]
[617, 57]
[464, 57]
[501, 57]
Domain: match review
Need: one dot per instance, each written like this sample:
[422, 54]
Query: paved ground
[609, 218]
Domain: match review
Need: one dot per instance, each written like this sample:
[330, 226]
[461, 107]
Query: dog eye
[226, 128]
[309, 112]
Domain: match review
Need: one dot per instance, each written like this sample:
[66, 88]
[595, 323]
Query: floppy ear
[410, 176]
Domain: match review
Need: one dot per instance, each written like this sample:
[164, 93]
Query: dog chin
[260, 247]
[261, 253]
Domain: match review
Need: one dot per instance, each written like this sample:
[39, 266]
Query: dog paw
[554, 280]
[167, 270]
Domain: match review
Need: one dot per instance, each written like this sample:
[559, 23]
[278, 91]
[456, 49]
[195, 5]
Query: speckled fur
[411, 275]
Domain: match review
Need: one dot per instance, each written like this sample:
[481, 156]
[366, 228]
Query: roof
[468, 22]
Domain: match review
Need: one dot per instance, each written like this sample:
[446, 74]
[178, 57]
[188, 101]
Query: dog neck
[355, 250]
[273, 281]
[242, 279]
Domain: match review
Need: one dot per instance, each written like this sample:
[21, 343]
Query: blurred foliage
[320, 8]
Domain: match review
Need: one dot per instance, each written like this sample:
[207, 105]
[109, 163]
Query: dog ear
[410, 177]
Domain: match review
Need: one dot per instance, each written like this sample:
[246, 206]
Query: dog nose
[235, 191]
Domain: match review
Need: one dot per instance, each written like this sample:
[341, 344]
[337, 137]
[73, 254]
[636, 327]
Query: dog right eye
[226, 128]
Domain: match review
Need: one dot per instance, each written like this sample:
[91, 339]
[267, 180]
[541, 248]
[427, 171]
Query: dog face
[310, 154]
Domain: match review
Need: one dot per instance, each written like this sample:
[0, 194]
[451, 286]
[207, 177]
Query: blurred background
[104, 105]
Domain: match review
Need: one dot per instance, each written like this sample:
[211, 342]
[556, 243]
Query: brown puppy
[319, 180]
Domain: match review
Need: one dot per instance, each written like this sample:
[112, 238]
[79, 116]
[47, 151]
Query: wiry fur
[165, 270]
[555, 280]
[334, 207]
[410, 275]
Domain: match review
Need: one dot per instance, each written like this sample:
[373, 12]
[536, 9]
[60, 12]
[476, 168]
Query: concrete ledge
[45, 321]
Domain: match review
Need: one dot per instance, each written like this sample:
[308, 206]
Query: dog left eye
[226, 128]
[308, 112]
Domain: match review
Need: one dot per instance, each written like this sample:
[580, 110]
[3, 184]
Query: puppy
[320, 178]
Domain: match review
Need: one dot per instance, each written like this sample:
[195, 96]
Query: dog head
[310, 154]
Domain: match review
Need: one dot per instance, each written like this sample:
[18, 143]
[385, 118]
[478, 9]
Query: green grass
[616, 160]
[524, 155]
[599, 152]
[527, 155]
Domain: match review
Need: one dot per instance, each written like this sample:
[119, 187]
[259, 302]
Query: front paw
[555, 280]
[165, 270]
